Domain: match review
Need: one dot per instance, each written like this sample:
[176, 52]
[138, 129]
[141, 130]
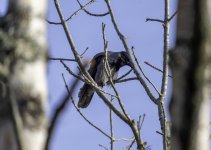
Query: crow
[116, 60]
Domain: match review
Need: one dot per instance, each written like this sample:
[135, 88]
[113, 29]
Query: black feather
[116, 60]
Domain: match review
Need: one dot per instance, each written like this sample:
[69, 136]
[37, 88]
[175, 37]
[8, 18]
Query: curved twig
[92, 14]
[73, 14]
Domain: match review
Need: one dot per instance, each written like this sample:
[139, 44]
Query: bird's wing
[86, 92]
[94, 64]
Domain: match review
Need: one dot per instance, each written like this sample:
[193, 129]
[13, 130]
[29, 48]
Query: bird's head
[125, 59]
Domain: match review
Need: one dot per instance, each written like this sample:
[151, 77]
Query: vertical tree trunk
[23, 92]
[191, 67]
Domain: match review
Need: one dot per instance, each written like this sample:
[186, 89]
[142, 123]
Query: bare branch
[124, 42]
[126, 80]
[92, 14]
[78, 60]
[142, 122]
[85, 118]
[154, 20]
[60, 108]
[161, 110]
[130, 146]
[156, 68]
[84, 52]
[108, 73]
[74, 14]
[174, 14]
[63, 59]
[139, 66]
[124, 75]
[105, 148]
[111, 127]
[71, 72]
[158, 132]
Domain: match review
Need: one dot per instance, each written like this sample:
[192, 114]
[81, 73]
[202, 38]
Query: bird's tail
[85, 96]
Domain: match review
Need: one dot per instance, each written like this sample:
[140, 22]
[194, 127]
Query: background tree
[23, 93]
[190, 63]
[119, 109]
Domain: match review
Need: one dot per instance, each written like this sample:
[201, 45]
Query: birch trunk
[23, 92]
[191, 67]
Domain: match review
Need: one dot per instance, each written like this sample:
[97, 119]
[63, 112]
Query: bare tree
[23, 92]
[23, 52]
[190, 63]
[136, 68]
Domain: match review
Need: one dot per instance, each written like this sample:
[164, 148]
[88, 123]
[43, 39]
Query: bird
[97, 71]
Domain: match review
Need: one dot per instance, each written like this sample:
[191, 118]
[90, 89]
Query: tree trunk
[23, 92]
[191, 68]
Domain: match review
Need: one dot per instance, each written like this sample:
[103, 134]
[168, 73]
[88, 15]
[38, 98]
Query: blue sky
[73, 133]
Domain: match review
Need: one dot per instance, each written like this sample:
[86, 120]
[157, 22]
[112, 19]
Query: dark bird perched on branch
[116, 60]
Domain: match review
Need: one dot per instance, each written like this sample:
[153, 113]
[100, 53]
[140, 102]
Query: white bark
[190, 62]
[26, 74]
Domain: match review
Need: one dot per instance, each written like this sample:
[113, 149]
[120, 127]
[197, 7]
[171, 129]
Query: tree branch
[58, 112]
[139, 66]
[154, 20]
[156, 68]
[123, 40]
[73, 14]
[78, 60]
[92, 14]
[63, 59]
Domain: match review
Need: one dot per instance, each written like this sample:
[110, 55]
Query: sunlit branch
[139, 66]
[124, 42]
[78, 60]
[156, 68]
[63, 59]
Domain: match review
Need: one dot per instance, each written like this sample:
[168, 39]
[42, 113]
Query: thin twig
[174, 14]
[154, 20]
[158, 132]
[124, 139]
[111, 127]
[126, 80]
[85, 118]
[105, 148]
[60, 108]
[108, 73]
[71, 72]
[131, 144]
[73, 14]
[142, 122]
[124, 75]
[84, 52]
[156, 68]
[139, 66]
[92, 14]
[63, 59]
